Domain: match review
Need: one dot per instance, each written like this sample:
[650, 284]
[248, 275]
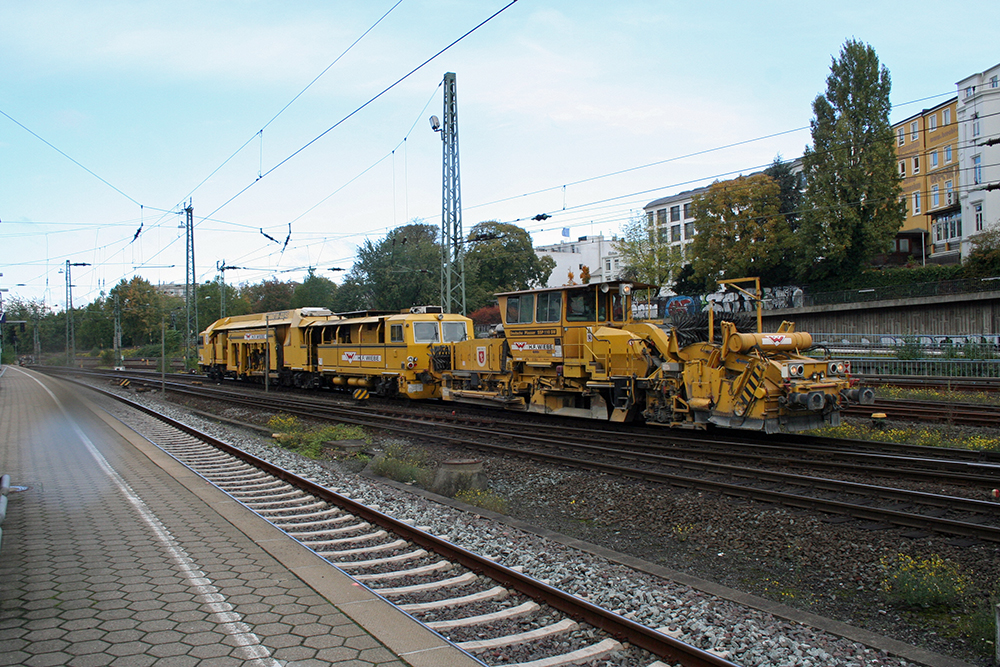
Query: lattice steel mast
[190, 286]
[452, 239]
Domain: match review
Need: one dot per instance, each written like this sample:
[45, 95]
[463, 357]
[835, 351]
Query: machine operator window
[520, 309]
[396, 333]
[425, 332]
[549, 307]
[580, 307]
[617, 307]
[454, 331]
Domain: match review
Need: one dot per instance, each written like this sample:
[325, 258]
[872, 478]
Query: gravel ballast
[787, 557]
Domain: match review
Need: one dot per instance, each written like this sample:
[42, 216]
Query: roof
[612, 284]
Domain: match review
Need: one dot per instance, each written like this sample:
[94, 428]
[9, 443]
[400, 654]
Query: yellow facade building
[927, 159]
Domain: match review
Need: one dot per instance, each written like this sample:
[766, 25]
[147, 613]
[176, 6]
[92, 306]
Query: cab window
[549, 307]
[580, 307]
[519, 309]
[453, 331]
[396, 333]
[425, 332]
[617, 307]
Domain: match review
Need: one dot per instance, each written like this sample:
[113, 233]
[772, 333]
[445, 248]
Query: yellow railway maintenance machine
[577, 351]
[241, 346]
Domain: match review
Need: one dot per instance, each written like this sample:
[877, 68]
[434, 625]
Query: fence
[956, 368]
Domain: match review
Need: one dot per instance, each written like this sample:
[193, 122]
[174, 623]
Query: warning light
[996, 494]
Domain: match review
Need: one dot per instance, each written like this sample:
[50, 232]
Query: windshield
[453, 331]
[425, 332]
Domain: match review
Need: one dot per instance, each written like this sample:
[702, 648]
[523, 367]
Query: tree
[500, 258]
[315, 291]
[645, 252]
[740, 231]
[210, 302]
[400, 271]
[267, 296]
[984, 260]
[853, 209]
[141, 307]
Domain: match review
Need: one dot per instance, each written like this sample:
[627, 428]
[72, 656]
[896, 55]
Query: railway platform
[115, 554]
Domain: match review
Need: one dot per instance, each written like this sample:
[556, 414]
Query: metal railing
[957, 368]
[912, 290]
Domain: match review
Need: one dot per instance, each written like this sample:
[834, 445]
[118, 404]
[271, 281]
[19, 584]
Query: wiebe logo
[351, 357]
[529, 347]
[776, 340]
[481, 356]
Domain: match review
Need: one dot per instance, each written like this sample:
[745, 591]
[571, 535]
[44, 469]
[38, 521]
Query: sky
[299, 131]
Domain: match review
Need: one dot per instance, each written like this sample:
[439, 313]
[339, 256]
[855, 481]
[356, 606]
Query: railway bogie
[573, 350]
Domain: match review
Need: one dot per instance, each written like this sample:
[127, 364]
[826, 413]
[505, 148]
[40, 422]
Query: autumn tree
[141, 307]
[740, 231]
[646, 254]
[852, 183]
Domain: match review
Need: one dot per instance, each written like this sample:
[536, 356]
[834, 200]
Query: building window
[946, 117]
[993, 82]
[977, 170]
[916, 164]
[649, 218]
[977, 215]
[933, 122]
[970, 91]
[934, 159]
[949, 194]
[916, 202]
[975, 126]
[688, 230]
[675, 233]
[947, 154]
[903, 246]
[675, 213]
[913, 131]
[687, 210]
[900, 137]
[948, 226]
[607, 265]
[661, 217]
[902, 168]
[935, 197]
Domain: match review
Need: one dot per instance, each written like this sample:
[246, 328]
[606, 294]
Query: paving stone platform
[116, 555]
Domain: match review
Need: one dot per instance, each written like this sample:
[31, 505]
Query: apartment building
[927, 158]
[597, 253]
[978, 114]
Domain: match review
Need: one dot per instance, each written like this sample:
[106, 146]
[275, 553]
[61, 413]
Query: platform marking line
[230, 622]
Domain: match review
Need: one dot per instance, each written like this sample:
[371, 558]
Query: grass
[405, 464]
[488, 500]
[912, 435]
[923, 582]
[945, 396]
[310, 442]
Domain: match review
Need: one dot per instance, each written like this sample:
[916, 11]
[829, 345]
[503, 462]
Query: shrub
[405, 465]
[487, 500]
[929, 582]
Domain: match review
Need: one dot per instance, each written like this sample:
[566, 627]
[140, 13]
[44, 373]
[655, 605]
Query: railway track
[647, 458]
[962, 414]
[483, 607]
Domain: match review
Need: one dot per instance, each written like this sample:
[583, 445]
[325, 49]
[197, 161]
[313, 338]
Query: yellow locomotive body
[576, 351]
[390, 353]
[387, 353]
[573, 350]
[241, 346]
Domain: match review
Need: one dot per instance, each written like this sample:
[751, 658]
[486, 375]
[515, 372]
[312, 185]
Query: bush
[930, 582]
[295, 437]
[487, 500]
[403, 464]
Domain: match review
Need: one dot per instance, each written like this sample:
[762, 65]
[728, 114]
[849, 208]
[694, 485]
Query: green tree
[141, 308]
[984, 259]
[645, 252]
[267, 296]
[210, 302]
[852, 209]
[314, 291]
[400, 271]
[740, 231]
[500, 258]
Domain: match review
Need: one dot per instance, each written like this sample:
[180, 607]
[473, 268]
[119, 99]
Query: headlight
[835, 368]
[796, 370]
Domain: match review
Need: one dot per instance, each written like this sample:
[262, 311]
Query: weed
[487, 500]
[927, 582]
[405, 464]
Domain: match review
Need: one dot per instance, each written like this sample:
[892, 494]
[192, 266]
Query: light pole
[70, 333]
